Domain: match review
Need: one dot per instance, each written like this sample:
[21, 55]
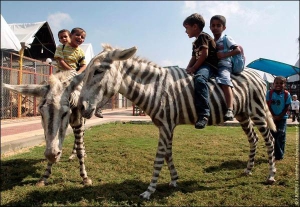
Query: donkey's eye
[63, 115]
[98, 72]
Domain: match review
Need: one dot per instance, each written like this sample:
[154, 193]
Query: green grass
[209, 162]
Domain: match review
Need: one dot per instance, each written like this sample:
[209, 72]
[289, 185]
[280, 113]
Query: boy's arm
[233, 52]
[82, 68]
[63, 63]
[192, 68]
[192, 62]
[282, 114]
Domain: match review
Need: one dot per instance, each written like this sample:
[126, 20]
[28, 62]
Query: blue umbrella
[274, 67]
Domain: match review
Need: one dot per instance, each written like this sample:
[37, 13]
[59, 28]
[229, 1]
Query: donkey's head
[102, 78]
[54, 108]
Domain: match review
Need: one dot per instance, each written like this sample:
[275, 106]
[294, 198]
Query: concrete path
[28, 132]
[17, 134]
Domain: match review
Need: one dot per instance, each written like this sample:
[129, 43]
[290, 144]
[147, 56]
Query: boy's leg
[280, 137]
[201, 94]
[229, 102]
[224, 79]
[293, 115]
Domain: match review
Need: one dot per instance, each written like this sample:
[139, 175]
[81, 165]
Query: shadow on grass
[125, 193]
[14, 171]
[233, 165]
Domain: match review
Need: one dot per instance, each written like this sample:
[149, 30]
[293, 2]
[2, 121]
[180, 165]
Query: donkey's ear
[125, 54]
[30, 89]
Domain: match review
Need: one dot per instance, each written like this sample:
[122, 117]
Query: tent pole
[21, 52]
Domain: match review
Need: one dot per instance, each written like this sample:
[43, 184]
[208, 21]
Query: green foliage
[120, 157]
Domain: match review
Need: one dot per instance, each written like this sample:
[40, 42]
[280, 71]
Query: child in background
[279, 104]
[203, 64]
[217, 27]
[64, 36]
[70, 56]
[295, 108]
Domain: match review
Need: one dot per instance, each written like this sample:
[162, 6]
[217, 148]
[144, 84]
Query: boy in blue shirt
[279, 103]
[217, 26]
[203, 64]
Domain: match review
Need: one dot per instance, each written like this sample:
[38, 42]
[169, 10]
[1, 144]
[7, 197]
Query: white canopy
[268, 77]
[25, 32]
[88, 51]
[9, 41]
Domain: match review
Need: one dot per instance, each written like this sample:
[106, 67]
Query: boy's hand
[277, 118]
[190, 70]
[221, 55]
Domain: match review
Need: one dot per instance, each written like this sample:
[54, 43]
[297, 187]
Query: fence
[14, 105]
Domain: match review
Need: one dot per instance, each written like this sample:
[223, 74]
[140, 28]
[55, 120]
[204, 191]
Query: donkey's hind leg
[247, 127]
[263, 128]
[170, 163]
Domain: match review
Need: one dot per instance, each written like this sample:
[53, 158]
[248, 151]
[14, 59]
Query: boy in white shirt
[295, 108]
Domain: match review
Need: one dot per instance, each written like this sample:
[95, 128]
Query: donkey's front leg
[159, 161]
[73, 151]
[77, 122]
[47, 173]
[80, 150]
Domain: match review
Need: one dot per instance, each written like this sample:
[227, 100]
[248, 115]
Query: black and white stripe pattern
[58, 108]
[167, 96]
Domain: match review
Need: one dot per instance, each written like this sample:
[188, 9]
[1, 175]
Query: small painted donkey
[167, 96]
[58, 108]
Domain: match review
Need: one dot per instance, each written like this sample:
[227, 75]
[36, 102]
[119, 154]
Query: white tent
[25, 32]
[88, 51]
[9, 41]
[268, 77]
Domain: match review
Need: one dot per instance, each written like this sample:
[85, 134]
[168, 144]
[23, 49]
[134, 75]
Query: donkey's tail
[269, 118]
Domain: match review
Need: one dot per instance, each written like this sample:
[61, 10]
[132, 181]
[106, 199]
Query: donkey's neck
[141, 80]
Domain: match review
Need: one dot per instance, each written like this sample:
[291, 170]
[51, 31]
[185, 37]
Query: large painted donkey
[166, 95]
[58, 108]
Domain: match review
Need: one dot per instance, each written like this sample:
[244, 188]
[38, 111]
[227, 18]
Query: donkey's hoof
[87, 182]
[271, 181]
[41, 183]
[146, 195]
[247, 172]
[72, 157]
[173, 184]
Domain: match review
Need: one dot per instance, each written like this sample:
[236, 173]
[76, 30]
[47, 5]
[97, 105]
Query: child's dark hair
[77, 29]
[221, 18]
[281, 78]
[195, 19]
[64, 30]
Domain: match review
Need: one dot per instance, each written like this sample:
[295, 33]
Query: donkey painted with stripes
[58, 108]
[167, 96]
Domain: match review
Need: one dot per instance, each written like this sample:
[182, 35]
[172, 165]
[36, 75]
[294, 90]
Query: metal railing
[14, 105]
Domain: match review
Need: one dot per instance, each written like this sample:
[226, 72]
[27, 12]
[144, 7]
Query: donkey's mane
[107, 47]
[61, 77]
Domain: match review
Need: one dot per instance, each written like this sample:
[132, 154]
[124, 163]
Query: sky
[265, 29]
